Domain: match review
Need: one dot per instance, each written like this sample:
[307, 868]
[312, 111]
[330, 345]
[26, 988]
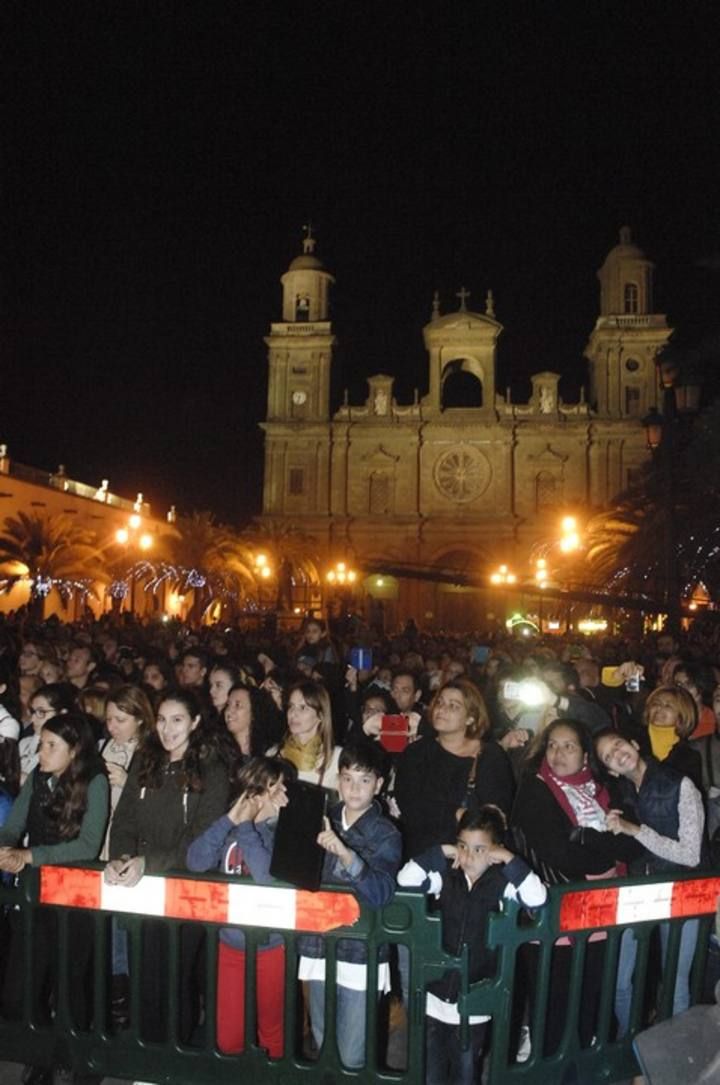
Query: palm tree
[209, 559]
[663, 534]
[293, 555]
[56, 552]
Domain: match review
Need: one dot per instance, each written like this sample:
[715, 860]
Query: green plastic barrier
[406, 920]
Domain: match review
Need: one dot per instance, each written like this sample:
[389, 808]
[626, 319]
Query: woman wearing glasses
[56, 699]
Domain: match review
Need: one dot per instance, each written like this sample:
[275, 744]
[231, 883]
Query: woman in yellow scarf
[670, 716]
[308, 741]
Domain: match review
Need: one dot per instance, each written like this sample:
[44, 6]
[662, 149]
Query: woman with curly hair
[253, 723]
[175, 789]
[63, 809]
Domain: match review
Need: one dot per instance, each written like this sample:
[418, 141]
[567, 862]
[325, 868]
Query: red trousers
[270, 981]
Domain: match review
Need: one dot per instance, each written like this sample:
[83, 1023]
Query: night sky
[159, 160]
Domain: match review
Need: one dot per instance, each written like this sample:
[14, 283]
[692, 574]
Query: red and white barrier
[185, 898]
[592, 908]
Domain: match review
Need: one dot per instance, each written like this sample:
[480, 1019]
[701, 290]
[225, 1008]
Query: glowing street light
[570, 538]
[263, 570]
[503, 575]
[341, 573]
[129, 538]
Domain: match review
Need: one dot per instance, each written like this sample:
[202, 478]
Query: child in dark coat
[471, 878]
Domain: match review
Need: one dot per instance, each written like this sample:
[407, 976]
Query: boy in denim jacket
[363, 851]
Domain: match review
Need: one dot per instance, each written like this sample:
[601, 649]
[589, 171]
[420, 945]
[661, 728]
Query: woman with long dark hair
[252, 720]
[663, 811]
[63, 804]
[63, 809]
[175, 789]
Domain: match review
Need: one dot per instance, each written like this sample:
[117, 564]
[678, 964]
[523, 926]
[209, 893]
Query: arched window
[630, 298]
[546, 491]
[460, 388]
[302, 308]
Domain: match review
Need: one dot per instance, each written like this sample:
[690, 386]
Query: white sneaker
[524, 1047]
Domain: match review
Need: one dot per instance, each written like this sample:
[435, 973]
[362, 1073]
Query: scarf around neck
[584, 800]
[662, 740]
[304, 758]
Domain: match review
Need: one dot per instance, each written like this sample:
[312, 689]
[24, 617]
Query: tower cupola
[626, 280]
[306, 286]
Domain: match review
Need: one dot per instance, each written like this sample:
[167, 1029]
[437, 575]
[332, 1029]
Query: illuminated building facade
[462, 477]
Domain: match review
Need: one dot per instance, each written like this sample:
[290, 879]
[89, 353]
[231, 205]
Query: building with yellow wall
[462, 477]
[37, 493]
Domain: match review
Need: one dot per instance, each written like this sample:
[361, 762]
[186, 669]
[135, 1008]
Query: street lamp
[502, 575]
[341, 573]
[263, 571]
[541, 579]
[342, 577]
[570, 538]
[131, 537]
[680, 399]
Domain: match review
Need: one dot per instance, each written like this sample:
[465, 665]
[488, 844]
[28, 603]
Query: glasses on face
[42, 712]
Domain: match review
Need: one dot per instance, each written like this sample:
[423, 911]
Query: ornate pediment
[380, 457]
[549, 456]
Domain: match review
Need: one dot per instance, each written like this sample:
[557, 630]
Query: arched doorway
[456, 608]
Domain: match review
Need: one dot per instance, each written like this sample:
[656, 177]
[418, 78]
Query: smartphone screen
[394, 733]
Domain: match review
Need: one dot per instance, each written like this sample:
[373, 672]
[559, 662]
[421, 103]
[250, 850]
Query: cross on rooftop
[463, 294]
[309, 240]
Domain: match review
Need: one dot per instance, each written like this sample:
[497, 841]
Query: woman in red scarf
[559, 820]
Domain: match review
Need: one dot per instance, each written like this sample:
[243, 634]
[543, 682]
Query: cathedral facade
[461, 478]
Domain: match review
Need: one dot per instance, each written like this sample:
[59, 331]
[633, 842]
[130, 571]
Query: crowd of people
[477, 769]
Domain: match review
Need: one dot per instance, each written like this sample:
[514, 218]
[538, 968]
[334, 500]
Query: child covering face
[471, 878]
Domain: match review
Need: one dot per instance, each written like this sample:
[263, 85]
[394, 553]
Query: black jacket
[430, 785]
[160, 823]
[556, 849]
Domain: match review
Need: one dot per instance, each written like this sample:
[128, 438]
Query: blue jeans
[349, 1023]
[626, 967]
[688, 941]
[445, 1061]
[120, 954]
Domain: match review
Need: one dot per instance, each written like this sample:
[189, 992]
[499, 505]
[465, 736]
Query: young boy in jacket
[363, 851]
[471, 878]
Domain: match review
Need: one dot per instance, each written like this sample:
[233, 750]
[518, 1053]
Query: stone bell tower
[627, 336]
[300, 350]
